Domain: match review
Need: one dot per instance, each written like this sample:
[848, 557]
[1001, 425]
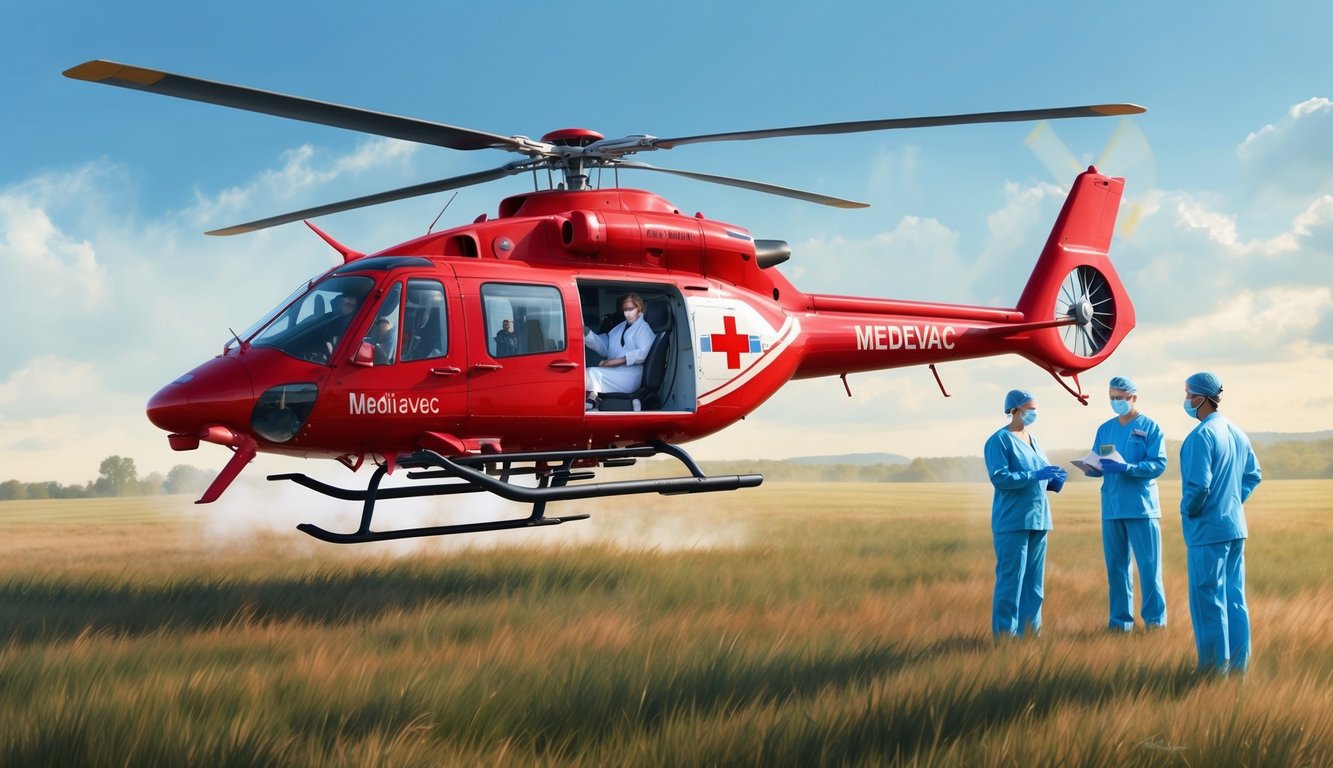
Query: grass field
[793, 624]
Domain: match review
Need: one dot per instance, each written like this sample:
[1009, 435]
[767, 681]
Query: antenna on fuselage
[441, 213]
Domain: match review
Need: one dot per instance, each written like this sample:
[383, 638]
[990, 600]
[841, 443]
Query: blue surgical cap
[1204, 383]
[1015, 398]
[1123, 383]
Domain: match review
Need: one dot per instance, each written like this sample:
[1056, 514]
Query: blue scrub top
[1218, 472]
[1133, 493]
[1020, 502]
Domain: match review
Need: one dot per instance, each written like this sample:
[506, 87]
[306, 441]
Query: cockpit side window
[425, 321]
[383, 333]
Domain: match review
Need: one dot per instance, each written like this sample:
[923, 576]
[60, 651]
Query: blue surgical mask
[1192, 410]
[1121, 407]
[1029, 416]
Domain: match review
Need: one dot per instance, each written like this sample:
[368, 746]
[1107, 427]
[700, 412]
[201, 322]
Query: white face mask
[632, 314]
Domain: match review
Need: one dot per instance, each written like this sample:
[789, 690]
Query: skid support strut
[491, 473]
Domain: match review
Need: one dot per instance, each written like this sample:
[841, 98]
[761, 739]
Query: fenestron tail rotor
[1086, 297]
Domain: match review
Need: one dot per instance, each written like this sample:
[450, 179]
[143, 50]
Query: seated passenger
[506, 341]
[625, 347]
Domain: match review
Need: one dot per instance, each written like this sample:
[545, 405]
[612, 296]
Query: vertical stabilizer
[1075, 281]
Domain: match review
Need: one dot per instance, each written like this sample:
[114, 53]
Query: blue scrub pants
[1144, 537]
[1217, 605]
[1020, 571]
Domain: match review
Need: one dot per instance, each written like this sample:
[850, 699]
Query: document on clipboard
[1093, 461]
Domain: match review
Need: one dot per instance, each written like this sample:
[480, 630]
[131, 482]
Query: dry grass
[800, 624]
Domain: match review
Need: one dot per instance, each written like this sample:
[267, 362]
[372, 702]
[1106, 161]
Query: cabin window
[522, 319]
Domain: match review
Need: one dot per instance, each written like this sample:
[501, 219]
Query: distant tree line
[117, 476]
[947, 469]
[1287, 460]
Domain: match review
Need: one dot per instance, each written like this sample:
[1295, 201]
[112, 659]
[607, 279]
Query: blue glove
[1113, 467]
[1046, 473]
[1057, 481]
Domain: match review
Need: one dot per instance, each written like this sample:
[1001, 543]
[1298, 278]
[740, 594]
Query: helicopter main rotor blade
[1095, 110]
[757, 186]
[293, 107]
[402, 193]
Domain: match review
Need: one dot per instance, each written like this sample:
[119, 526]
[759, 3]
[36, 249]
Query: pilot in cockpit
[344, 307]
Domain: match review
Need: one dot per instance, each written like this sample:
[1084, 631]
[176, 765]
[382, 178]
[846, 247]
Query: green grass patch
[795, 624]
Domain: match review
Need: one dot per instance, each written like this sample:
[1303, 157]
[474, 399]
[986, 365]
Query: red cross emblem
[730, 342]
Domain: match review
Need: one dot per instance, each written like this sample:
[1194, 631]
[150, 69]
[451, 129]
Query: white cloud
[1275, 325]
[1218, 227]
[61, 418]
[1261, 140]
[34, 252]
[900, 263]
[305, 173]
[1289, 161]
[1016, 234]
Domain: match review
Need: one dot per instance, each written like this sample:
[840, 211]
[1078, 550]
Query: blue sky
[112, 290]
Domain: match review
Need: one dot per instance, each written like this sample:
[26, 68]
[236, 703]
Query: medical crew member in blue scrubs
[1131, 511]
[1218, 472]
[1020, 518]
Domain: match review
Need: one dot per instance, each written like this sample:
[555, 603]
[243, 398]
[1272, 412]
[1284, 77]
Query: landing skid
[491, 473]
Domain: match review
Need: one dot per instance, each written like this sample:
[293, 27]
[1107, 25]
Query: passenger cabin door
[523, 376]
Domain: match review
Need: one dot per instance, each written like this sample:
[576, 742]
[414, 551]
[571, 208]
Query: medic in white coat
[625, 348]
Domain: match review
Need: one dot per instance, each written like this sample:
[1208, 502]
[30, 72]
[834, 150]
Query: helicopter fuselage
[309, 382]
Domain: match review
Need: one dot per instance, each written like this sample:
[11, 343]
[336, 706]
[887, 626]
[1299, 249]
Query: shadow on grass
[43, 611]
[963, 711]
[618, 700]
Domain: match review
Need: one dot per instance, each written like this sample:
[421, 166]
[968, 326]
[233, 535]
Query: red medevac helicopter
[397, 356]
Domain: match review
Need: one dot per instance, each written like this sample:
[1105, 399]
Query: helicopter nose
[219, 392]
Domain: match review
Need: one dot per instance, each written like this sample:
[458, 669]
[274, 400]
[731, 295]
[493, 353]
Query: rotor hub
[1082, 311]
[572, 137]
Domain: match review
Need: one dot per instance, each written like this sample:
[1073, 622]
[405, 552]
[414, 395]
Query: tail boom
[1072, 314]
[887, 334]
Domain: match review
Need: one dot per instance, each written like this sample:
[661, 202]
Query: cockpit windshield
[272, 313]
[309, 328]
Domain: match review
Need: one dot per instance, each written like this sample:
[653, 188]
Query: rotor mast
[569, 144]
